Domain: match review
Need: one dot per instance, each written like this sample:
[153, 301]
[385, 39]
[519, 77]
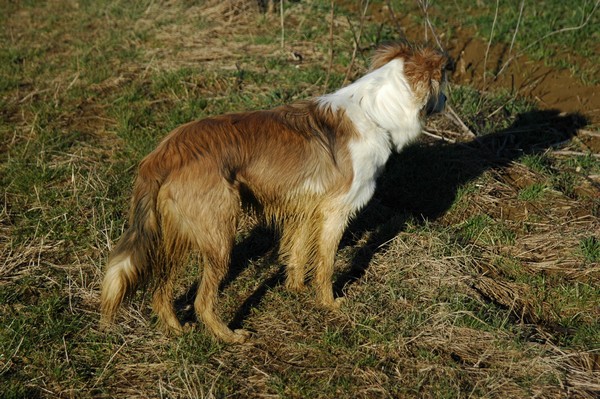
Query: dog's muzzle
[436, 105]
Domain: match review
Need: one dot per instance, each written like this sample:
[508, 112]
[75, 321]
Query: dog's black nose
[436, 105]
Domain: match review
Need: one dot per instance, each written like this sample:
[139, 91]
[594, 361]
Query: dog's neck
[380, 102]
[385, 114]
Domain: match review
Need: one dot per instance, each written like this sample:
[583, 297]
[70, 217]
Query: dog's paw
[295, 287]
[240, 336]
[334, 304]
[173, 331]
[339, 302]
[170, 330]
[189, 327]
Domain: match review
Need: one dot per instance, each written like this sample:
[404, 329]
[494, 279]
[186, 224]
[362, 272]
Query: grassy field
[474, 272]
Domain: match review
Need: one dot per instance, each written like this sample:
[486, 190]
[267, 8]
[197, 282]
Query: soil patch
[551, 88]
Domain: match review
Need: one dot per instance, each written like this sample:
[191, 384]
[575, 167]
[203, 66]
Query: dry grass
[474, 272]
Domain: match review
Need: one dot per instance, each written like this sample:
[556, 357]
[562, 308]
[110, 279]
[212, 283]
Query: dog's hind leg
[162, 304]
[215, 269]
[215, 226]
[176, 245]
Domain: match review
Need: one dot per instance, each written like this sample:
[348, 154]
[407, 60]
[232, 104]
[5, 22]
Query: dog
[307, 168]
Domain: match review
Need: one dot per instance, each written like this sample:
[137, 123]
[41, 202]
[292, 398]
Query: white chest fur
[385, 115]
[369, 153]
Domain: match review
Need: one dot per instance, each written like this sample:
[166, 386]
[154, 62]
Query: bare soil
[552, 88]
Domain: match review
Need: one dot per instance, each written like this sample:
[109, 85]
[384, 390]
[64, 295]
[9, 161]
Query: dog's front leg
[334, 224]
[296, 252]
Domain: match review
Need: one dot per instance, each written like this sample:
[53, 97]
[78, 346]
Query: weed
[538, 162]
[195, 347]
[564, 182]
[540, 30]
[483, 229]
[590, 249]
[586, 164]
[532, 192]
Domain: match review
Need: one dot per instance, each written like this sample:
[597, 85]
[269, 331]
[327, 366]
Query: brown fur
[292, 164]
[190, 191]
[423, 66]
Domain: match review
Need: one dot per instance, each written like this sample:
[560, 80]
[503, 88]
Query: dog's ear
[389, 52]
[427, 65]
[425, 70]
[422, 64]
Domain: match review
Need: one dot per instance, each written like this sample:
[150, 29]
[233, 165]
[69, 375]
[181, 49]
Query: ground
[473, 272]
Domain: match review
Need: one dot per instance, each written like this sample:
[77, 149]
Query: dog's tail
[139, 254]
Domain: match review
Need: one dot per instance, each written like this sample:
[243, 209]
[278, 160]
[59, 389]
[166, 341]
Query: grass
[590, 249]
[532, 192]
[473, 272]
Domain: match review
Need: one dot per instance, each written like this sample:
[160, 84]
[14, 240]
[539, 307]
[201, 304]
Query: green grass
[488, 113]
[448, 293]
[532, 192]
[538, 162]
[590, 249]
[484, 230]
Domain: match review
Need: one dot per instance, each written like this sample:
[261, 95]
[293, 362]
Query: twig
[576, 153]
[425, 9]
[512, 42]
[7, 364]
[562, 30]
[356, 42]
[107, 364]
[487, 50]
[282, 26]
[396, 22]
[33, 93]
[459, 121]
[588, 132]
[66, 352]
[330, 66]
[72, 82]
[437, 137]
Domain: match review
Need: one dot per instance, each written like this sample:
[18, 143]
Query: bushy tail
[134, 259]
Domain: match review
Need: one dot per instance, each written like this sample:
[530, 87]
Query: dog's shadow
[420, 183]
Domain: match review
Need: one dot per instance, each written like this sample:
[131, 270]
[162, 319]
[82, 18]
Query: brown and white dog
[308, 167]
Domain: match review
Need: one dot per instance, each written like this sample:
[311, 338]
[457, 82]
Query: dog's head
[424, 69]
